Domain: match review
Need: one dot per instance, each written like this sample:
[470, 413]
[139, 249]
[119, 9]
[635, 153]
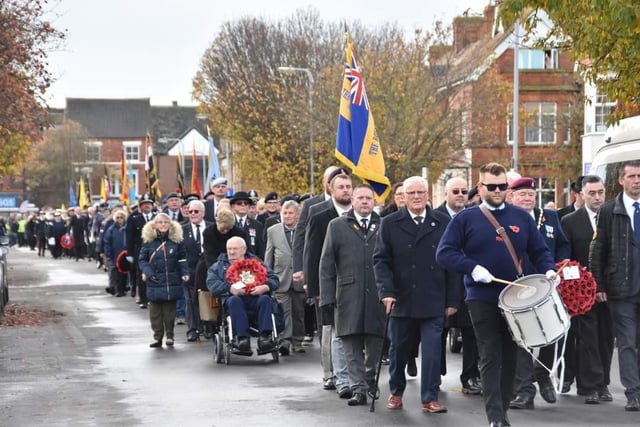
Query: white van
[621, 144]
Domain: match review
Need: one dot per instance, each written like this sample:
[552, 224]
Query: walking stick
[375, 393]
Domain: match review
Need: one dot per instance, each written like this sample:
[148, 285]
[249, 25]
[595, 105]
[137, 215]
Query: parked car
[4, 284]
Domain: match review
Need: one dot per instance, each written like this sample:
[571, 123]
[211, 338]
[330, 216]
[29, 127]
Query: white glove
[554, 277]
[130, 259]
[481, 275]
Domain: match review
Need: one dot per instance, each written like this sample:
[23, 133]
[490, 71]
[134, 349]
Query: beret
[524, 182]
[339, 171]
[219, 181]
[271, 197]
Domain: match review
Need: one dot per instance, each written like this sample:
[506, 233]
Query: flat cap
[174, 195]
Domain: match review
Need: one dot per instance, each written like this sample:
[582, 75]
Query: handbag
[209, 306]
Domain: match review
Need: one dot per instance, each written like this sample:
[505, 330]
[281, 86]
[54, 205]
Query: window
[510, 124]
[92, 151]
[540, 127]
[604, 108]
[534, 59]
[566, 123]
[132, 150]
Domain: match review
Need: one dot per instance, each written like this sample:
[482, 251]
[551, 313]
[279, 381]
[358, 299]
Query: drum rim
[528, 307]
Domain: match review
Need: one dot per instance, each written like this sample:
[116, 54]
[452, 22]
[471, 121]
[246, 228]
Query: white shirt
[628, 206]
[492, 208]
[592, 217]
[451, 212]
[341, 211]
[423, 214]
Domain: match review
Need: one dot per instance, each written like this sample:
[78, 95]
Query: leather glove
[481, 275]
[554, 277]
[152, 279]
[130, 259]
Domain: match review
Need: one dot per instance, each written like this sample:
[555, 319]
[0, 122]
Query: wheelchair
[224, 344]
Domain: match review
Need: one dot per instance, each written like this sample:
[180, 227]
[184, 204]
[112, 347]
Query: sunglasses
[194, 212]
[242, 203]
[456, 191]
[493, 187]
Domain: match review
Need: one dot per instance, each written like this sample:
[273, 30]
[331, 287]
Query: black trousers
[528, 371]
[497, 352]
[595, 347]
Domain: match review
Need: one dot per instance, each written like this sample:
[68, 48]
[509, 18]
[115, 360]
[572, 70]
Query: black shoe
[633, 404]
[120, 294]
[143, 305]
[592, 399]
[566, 387]
[548, 393]
[604, 395]
[244, 344]
[192, 337]
[110, 291]
[284, 349]
[345, 393]
[156, 344]
[265, 342]
[329, 384]
[521, 402]
[471, 386]
[357, 399]
[412, 369]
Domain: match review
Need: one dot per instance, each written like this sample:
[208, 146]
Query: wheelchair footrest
[242, 353]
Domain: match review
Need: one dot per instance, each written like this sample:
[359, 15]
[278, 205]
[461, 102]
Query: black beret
[272, 196]
[173, 194]
[473, 192]
[339, 171]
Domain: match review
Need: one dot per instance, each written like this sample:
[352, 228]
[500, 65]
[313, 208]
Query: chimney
[174, 103]
[469, 28]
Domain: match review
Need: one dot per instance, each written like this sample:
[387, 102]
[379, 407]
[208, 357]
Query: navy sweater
[471, 240]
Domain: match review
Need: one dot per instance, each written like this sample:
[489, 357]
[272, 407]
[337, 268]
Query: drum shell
[541, 320]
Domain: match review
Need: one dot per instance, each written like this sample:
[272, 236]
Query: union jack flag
[354, 75]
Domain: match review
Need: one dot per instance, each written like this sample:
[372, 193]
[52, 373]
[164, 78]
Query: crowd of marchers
[382, 284]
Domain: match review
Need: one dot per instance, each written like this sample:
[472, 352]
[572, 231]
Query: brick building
[550, 102]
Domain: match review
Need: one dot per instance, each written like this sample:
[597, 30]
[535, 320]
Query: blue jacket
[115, 241]
[163, 261]
[217, 273]
[405, 266]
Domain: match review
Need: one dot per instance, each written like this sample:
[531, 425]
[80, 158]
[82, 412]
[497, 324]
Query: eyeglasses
[194, 212]
[456, 191]
[415, 193]
[493, 187]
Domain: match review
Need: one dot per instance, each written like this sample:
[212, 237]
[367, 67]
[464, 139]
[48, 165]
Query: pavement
[93, 367]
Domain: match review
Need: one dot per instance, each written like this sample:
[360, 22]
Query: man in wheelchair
[243, 283]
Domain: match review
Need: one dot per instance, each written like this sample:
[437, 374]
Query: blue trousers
[401, 333]
[626, 316]
[239, 306]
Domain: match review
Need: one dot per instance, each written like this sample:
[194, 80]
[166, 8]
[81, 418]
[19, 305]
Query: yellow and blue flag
[357, 143]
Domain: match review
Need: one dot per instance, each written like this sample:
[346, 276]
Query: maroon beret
[524, 182]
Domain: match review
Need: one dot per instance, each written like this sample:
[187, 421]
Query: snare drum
[535, 314]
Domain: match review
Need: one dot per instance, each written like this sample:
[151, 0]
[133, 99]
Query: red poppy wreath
[248, 271]
[578, 294]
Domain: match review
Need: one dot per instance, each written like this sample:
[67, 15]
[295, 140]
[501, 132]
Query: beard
[493, 202]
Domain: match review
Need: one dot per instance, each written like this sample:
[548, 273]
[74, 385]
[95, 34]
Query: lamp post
[307, 72]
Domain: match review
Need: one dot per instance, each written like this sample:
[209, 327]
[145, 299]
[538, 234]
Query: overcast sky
[152, 48]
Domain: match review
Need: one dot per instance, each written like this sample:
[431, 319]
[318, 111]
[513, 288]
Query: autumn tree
[51, 163]
[25, 37]
[266, 114]
[604, 37]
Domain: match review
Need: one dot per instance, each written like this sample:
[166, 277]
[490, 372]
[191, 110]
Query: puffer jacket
[115, 241]
[611, 249]
[163, 261]
[217, 273]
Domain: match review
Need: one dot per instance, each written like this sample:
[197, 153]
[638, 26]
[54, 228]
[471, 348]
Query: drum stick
[564, 264]
[506, 282]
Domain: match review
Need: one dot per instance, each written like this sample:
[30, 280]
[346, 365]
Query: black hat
[209, 193]
[339, 171]
[254, 195]
[294, 196]
[304, 197]
[577, 186]
[240, 195]
[189, 198]
[273, 196]
[145, 199]
[473, 192]
[174, 194]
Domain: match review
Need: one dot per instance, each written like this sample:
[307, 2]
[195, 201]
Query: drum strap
[505, 237]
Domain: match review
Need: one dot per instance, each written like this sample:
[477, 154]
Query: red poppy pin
[514, 228]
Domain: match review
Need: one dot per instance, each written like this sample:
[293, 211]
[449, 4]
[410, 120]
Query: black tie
[636, 221]
[363, 226]
[175, 216]
[240, 223]
[418, 220]
[289, 234]
[198, 234]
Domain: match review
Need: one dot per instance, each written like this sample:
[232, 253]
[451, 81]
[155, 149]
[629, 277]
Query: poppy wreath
[248, 271]
[578, 295]
[67, 241]
[122, 265]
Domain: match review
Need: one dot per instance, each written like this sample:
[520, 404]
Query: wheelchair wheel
[218, 348]
[227, 353]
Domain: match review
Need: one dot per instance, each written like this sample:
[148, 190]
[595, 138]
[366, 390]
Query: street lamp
[292, 70]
